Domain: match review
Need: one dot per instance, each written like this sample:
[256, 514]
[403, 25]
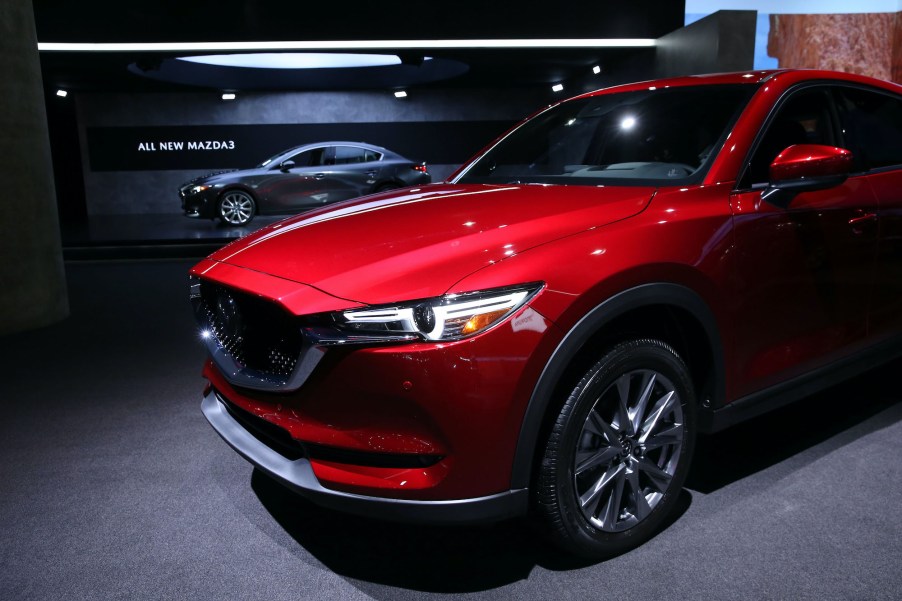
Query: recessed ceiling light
[400, 94]
[557, 87]
[62, 93]
[295, 60]
[228, 96]
[596, 69]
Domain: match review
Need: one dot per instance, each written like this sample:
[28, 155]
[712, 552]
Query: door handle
[320, 175]
[858, 222]
[371, 173]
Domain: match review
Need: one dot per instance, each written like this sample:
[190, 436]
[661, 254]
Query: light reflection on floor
[158, 228]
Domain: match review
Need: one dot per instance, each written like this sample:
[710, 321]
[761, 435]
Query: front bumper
[298, 475]
[201, 205]
[433, 425]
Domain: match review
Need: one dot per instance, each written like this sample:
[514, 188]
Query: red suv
[549, 330]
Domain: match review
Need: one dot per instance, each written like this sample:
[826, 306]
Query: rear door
[353, 172]
[872, 125]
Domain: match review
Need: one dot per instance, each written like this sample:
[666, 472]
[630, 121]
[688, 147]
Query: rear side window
[872, 127]
[345, 155]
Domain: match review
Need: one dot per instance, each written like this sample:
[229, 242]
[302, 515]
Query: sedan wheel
[619, 450]
[236, 207]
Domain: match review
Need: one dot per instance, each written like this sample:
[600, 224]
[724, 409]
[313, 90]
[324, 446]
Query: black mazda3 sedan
[300, 178]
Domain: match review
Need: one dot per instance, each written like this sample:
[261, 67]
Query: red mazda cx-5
[549, 330]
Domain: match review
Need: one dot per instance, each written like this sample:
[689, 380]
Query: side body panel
[803, 279]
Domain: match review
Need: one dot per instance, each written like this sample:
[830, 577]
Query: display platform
[169, 235]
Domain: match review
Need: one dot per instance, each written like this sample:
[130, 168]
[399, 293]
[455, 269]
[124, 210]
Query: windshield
[654, 136]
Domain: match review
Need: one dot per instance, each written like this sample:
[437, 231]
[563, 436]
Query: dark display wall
[240, 146]
[138, 149]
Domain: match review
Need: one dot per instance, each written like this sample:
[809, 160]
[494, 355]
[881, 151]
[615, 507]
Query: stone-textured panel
[865, 43]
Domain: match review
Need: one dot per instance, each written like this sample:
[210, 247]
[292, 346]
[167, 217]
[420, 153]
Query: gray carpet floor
[113, 486]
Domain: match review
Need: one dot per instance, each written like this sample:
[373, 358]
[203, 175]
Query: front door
[803, 274]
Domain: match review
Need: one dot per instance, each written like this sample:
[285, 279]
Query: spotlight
[62, 93]
[228, 96]
[596, 69]
[557, 87]
[400, 94]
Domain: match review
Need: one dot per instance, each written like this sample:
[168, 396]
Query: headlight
[197, 189]
[450, 317]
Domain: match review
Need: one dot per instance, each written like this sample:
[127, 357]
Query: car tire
[386, 187]
[236, 207]
[618, 452]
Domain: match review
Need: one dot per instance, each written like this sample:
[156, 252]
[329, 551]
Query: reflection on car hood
[207, 176]
[418, 243]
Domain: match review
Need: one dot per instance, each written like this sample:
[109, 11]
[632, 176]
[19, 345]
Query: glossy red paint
[803, 282]
[783, 292]
[385, 480]
[810, 160]
[436, 235]
[358, 401]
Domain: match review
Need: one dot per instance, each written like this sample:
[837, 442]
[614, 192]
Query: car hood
[210, 178]
[418, 243]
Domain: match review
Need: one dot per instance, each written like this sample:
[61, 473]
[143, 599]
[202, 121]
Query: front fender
[656, 294]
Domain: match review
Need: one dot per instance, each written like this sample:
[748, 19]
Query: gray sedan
[299, 179]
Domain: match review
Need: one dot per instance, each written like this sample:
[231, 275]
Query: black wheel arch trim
[670, 294]
[789, 391]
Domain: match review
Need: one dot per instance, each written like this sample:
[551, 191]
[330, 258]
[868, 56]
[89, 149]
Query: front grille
[254, 332]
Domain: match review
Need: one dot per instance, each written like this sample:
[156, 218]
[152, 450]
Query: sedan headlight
[197, 189]
[450, 317]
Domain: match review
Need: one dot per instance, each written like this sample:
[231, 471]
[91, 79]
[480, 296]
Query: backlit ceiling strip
[347, 45]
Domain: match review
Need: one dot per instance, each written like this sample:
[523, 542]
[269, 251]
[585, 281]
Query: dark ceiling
[244, 20]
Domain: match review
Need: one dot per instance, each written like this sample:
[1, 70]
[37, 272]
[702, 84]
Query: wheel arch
[671, 312]
[388, 183]
[240, 187]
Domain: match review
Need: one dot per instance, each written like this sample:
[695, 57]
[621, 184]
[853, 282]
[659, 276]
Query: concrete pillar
[721, 42]
[32, 280]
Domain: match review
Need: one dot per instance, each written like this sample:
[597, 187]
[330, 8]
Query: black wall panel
[243, 146]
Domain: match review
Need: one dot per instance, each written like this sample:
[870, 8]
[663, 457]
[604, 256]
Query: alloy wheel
[628, 450]
[236, 208]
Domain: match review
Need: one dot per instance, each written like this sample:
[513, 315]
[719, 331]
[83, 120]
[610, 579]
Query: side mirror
[286, 165]
[806, 167]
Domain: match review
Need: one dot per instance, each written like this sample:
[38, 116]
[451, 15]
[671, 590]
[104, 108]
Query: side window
[309, 158]
[372, 155]
[345, 155]
[803, 119]
[872, 127]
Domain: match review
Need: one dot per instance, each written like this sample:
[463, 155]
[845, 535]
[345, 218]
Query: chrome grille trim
[249, 350]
